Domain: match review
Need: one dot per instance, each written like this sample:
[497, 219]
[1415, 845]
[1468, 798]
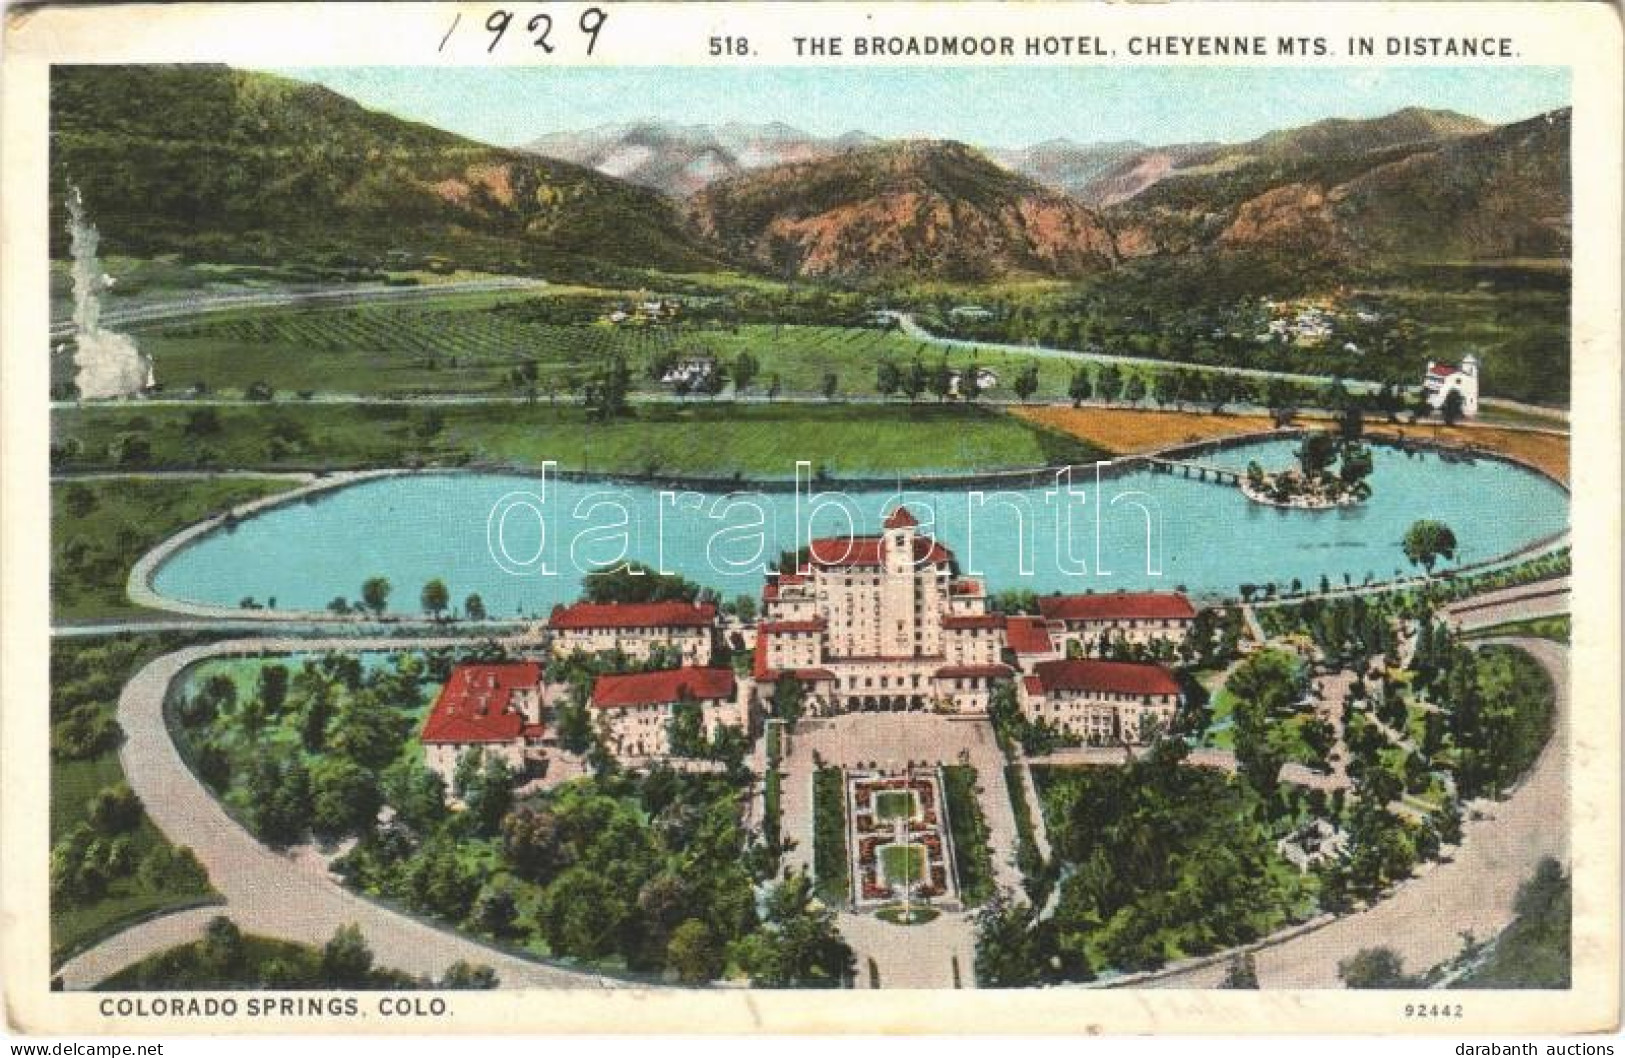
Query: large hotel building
[869, 623]
[886, 623]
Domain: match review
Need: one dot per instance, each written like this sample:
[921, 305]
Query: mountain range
[678, 160]
[228, 165]
[223, 164]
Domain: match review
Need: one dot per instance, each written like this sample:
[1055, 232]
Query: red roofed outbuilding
[496, 708]
[1101, 701]
[1142, 617]
[635, 710]
[635, 629]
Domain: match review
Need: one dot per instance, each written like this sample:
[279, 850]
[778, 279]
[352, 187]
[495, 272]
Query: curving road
[265, 892]
[1424, 919]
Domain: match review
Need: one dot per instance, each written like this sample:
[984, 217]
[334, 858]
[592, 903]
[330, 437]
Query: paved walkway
[906, 956]
[1474, 891]
[921, 956]
[1544, 598]
[266, 892]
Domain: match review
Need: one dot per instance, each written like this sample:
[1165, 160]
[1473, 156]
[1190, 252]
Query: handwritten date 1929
[537, 31]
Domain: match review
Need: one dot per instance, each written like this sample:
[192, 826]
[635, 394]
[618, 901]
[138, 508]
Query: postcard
[636, 517]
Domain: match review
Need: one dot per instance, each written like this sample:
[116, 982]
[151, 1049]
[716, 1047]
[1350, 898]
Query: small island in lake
[1313, 484]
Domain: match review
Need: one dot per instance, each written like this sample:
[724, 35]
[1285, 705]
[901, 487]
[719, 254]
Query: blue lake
[494, 533]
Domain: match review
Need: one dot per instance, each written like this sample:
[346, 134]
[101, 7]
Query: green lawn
[973, 859]
[894, 804]
[829, 836]
[100, 528]
[711, 439]
[902, 864]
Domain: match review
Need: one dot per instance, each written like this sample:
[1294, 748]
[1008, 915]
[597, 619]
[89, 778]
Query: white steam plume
[108, 363]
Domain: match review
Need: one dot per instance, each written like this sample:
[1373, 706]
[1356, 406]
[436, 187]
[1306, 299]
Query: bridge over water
[1192, 469]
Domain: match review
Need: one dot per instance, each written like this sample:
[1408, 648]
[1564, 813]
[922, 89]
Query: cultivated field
[1127, 431]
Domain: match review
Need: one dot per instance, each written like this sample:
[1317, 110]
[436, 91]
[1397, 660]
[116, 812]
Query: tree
[606, 391]
[271, 687]
[487, 793]
[114, 810]
[344, 797]
[417, 794]
[789, 698]
[1242, 973]
[942, 380]
[1426, 541]
[694, 953]
[375, 594]
[1006, 946]
[1081, 388]
[463, 975]
[533, 844]
[798, 944]
[1026, 382]
[1351, 423]
[474, 607]
[221, 951]
[368, 731]
[1316, 452]
[1373, 968]
[832, 382]
[496, 911]
[1108, 383]
[346, 959]
[434, 597]
[745, 369]
[1356, 465]
[888, 379]
[636, 582]
[916, 379]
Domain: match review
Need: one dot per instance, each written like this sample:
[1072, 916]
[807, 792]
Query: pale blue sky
[989, 107]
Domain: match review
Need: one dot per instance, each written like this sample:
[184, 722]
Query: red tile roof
[1033, 684]
[868, 551]
[979, 671]
[1028, 635]
[633, 615]
[1111, 677]
[973, 620]
[901, 518]
[1118, 605]
[661, 687]
[966, 587]
[1444, 370]
[474, 705]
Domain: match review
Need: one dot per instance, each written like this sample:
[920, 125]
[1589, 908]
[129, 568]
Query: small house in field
[1441, 380]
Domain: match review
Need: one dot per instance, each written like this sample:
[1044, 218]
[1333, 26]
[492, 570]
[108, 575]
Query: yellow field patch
[1129, 431]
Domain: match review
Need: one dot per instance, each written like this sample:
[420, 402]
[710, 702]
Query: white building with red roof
[494, 708]
[881, 622]
[1441, 380]
[635, 629]
[1100, 702]
[634, 711]
[1098, 619]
